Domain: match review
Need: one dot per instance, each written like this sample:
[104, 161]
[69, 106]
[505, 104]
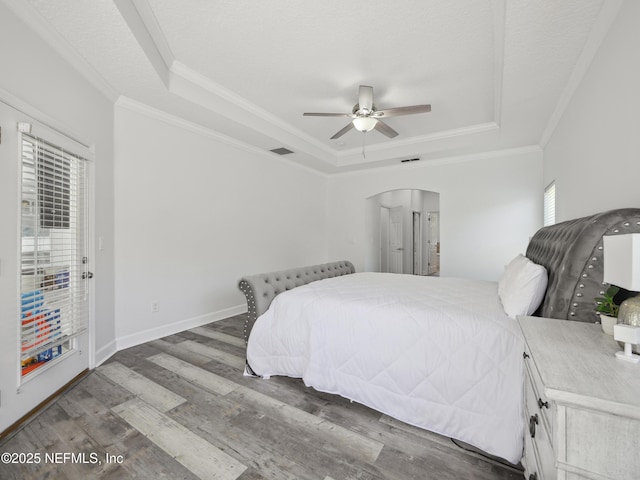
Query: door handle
[86, 275]
[533, 421]
[542, 404]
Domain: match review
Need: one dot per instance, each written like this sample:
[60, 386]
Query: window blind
[53, 294]
[550, 204]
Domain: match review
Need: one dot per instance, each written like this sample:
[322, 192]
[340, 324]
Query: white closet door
[396, 249]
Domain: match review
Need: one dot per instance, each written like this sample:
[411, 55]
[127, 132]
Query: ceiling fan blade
[343, 131]
[385, 129]
[395, 112]
[327, 114]
[365, 98]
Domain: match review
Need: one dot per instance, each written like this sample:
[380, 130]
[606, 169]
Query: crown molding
[430, 137]
[153, 28]
[50, 35]
[607, 16]
[195, 87]
[189, 84]
[416, 144]
[145, 28]
[179, 122]
[449, 160]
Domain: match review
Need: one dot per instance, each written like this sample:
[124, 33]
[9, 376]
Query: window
[54, 190]
[53, 293]
[550, 204]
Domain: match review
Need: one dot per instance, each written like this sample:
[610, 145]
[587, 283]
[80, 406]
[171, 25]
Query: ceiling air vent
[281, 151]
[409, 160]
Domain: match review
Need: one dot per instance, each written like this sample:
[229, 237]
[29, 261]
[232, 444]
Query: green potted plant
[608, 309]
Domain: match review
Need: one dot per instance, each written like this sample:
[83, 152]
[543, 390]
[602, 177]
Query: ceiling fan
[366, 117]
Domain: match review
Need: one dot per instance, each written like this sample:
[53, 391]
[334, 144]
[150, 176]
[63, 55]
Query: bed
[442, 354]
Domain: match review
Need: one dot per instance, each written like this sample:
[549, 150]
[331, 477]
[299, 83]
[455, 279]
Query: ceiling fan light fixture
[365, 117]
[364, 124]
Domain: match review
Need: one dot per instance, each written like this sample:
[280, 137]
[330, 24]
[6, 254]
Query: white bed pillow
[522, 286]
[511, 270]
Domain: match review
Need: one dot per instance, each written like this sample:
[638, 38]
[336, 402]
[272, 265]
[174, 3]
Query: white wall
[594, 152]
[37, 81]
[489, 208]
[193, 215]
[431, 202]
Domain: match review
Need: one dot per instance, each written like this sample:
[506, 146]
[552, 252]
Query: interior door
[433, 242]
[396, 249]
[417, 244]
[384, 239]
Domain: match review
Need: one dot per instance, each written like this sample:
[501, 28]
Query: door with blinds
[54, 273]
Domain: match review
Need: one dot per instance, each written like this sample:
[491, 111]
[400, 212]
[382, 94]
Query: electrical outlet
[155, 307]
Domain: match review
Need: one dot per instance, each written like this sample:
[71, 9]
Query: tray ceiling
[497, 74]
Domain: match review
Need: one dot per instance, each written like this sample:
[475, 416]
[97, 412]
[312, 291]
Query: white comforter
[438, 353]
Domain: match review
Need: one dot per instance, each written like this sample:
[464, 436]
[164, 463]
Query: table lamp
[622, 268]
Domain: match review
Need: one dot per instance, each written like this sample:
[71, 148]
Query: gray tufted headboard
[572, 253]
[260, 290]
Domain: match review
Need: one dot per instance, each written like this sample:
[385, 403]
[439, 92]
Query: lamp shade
[622, 260]
[364, 124]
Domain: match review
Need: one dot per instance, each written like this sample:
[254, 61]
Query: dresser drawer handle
[542, 404]
[525, 355]
[533, 421]
[533, 476]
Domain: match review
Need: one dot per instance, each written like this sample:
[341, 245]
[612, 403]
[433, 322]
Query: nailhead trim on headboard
[260, 290]
[572, 253]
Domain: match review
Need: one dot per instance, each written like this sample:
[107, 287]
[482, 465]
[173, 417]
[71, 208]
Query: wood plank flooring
[180, 408]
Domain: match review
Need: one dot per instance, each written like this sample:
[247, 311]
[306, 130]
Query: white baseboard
[176, 327]
[105, 352]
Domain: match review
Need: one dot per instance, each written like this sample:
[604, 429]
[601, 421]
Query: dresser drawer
[530, 462]
[535, 400]
[539, 461]
[538, 438]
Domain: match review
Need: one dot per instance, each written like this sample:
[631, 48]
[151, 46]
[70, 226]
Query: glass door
[54, 303]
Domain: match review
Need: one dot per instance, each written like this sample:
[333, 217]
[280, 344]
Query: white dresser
[582, 405]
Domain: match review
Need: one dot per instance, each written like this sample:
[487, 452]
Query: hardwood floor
[179, 408]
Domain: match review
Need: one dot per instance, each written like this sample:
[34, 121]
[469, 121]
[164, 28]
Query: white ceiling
[497, 73]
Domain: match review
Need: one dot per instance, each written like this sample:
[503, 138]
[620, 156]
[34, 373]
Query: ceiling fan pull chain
[363, 143]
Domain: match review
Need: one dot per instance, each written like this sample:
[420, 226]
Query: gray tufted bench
[261, 289]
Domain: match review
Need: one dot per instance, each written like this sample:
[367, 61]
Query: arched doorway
[403, 227]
